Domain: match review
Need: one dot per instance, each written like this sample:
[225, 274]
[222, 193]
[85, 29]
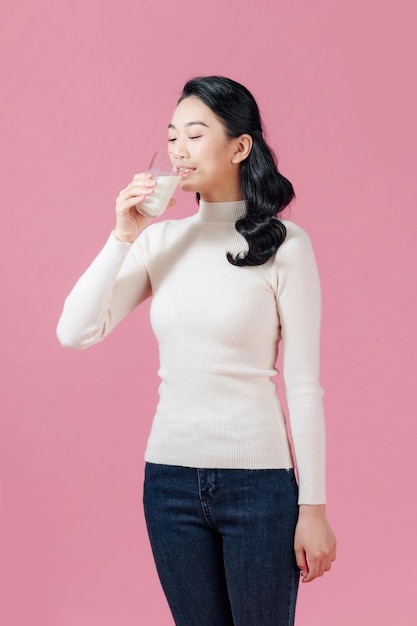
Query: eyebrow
[190, 124]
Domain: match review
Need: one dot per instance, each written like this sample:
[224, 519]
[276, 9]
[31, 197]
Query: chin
[187, 185]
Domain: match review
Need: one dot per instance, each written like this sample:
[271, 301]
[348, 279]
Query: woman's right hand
[129, 222]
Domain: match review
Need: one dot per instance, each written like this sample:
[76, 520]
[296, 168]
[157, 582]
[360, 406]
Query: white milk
[156, 204]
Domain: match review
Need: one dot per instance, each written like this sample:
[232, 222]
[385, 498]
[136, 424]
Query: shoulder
[295, 233]
[297, 241]
[294, 261]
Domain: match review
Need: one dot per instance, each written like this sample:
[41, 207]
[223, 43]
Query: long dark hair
[264, 189]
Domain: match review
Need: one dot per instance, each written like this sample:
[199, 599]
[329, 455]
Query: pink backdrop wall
[87, 91]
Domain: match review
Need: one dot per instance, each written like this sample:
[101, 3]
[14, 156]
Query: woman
[229, 526]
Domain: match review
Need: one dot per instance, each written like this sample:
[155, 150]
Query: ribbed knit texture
[218, 328]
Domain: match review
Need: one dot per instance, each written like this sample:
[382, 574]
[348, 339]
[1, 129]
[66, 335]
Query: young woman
[230, 527]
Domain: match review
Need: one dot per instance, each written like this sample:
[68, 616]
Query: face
[206, 157]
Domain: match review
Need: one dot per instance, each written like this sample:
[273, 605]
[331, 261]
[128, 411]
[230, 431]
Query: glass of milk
[166, 178]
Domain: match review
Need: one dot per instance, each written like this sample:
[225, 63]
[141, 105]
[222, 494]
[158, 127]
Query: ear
[243, 146]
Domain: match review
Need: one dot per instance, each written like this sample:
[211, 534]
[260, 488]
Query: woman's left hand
[314, 542]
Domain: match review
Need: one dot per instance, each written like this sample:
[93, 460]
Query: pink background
[87, 91]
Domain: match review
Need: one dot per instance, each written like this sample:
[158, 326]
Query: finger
[136, 186]
[134, 189]
[332, 557]
[310, 576]
[123, 207]
[171, 203]
[130, 196]
[313, 569]
[300, 557]
[143, 176]
[318, 567]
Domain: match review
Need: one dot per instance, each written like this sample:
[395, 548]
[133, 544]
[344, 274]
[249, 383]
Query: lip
[184, 172]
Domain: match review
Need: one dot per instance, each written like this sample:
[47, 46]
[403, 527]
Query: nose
[175, 157]
[181, 149]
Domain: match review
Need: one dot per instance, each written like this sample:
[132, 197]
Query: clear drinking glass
[166, 178]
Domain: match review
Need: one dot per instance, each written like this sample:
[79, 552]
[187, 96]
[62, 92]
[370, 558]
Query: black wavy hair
[264, 189]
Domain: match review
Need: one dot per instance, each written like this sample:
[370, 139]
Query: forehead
[192, 109]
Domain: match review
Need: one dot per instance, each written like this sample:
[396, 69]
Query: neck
[228, 191]
[222, 196]
[221, 212]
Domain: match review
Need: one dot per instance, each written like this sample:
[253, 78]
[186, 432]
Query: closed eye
[172, 139]
[196, 137]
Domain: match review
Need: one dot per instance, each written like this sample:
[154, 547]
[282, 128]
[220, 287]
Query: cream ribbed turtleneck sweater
[218, 328]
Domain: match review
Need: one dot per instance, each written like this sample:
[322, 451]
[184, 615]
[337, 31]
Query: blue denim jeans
[223, 543]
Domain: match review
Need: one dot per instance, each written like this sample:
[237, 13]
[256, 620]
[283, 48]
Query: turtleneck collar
[220, 212]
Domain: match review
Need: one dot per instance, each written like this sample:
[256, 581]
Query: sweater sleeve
[114, 284]
[299, 309]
